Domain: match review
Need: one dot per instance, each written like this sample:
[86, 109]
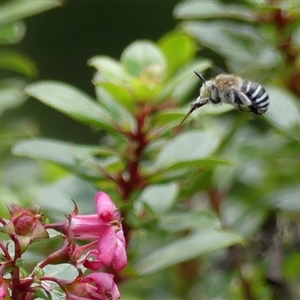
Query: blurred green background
[61, 41]
[211, 209]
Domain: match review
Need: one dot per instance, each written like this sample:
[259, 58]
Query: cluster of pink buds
[101, 246]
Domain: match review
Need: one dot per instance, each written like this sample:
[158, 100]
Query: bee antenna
[200, 76]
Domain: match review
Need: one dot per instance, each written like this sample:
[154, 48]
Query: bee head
[205, 88]
[203, 97]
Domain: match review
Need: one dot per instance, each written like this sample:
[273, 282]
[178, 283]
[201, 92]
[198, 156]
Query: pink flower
[107, 228]
[95, 286]
[104, 229]
[111, 251]
[86, 227]
[105, 207]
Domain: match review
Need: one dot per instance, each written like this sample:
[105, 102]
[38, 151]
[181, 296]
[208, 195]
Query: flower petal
[107, 245]
[105, 207]
[92, 261]
[120, 257]
[105, 284]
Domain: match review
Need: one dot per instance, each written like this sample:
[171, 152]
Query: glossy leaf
[283, 112]
[109, 70]
[181, 169]
[12, 33]
[187, 147]
[15, 10]
[192, 246]
[117, 93]
[175, 222]
[212, 10]
[63, 190]
[72, 102]
[73, 157]
[178, 49]
[141, 56]
[241, 45]
[111, 104]
[11, 94]
[161, 197]
[63, 271]
[19, 63]
[184, 82]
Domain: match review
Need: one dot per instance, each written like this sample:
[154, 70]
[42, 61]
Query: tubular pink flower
[111, 251]
[86, 227]
[105, 226]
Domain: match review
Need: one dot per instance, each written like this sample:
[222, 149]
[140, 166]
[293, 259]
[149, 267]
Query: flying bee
[231, 89]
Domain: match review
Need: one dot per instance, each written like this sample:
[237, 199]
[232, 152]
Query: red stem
[138, 141]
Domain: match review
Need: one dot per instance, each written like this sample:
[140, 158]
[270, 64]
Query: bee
[231, 89]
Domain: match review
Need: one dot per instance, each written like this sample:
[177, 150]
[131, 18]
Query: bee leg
[254, 110]
[241, 108]
[241, 101]
[242, 98]
[196, 104]
[214, 95]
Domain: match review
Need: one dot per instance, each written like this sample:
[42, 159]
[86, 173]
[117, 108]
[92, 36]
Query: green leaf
[63, 190]
[15, 10]
[160, 198]
[175, 222]
[110, 70]
[77, 158]
[12, 33]
[182, 169]
[283, 112]
[241, 45]
[119, 94]
[184, 82]
[196, 244]
[188, 147]
[178, 49]
[212, 10]
[18, 62]
[65, 272]
[72, 102]
[142, 56]
[172, 118]
[120, 114]
[61, 271]
[11, 94]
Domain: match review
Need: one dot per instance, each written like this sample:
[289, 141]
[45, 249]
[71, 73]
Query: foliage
[225, 181]
[12, 62]
[16, 69]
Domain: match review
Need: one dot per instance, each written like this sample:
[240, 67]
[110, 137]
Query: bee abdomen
[258, 95]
